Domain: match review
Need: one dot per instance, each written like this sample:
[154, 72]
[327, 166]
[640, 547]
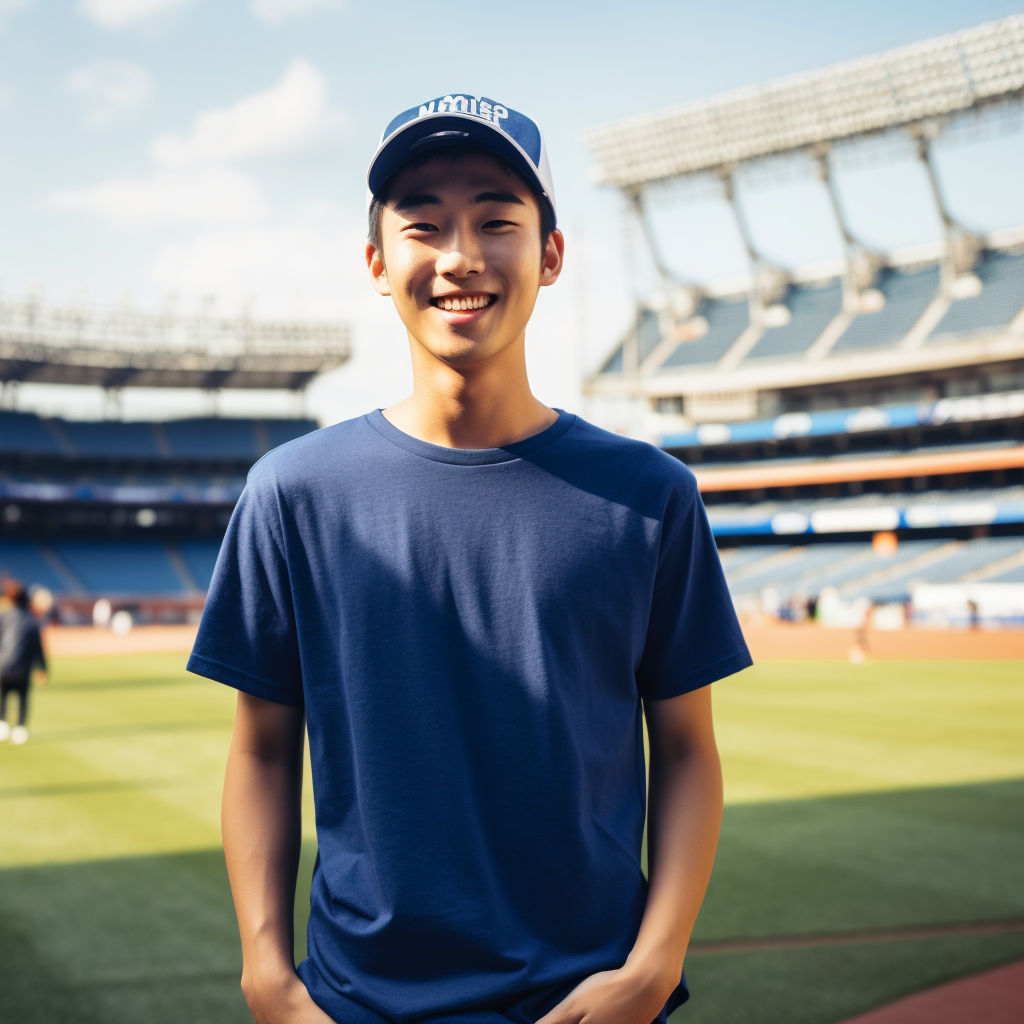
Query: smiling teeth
[475, 302]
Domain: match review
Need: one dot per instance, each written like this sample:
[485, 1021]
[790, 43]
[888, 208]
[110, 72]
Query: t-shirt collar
[470, 456]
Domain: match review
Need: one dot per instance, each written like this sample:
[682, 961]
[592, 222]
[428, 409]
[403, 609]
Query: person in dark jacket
[21, 650]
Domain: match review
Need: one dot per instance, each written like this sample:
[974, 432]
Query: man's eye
[421, 227]
[492, 224]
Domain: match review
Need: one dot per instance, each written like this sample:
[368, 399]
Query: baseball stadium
[856, 429]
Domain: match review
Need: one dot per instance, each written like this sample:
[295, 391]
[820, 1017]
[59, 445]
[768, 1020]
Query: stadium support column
[862, 263]
[683, 296]
[767, 281]
[962, 246]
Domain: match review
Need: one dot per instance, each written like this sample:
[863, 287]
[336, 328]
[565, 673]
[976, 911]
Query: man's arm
[685, 814]
[261, 819]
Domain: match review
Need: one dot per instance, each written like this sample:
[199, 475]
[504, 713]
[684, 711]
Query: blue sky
[192, 147]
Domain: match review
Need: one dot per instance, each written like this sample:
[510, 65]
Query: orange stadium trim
[837, 471]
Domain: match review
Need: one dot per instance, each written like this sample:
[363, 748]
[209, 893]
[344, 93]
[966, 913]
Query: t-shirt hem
[253, 685]
[727, 666]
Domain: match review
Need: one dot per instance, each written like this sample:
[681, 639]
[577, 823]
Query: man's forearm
[262, 828]
[682, 835]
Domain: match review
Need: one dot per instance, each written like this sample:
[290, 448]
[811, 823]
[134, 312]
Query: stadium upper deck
[942, 321]
[127, 348]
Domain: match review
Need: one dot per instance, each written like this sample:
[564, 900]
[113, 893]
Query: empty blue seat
[907, 296]
[1001, 298]
[812, 308]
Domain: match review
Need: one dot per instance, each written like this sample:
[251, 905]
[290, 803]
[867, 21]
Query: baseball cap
[463, 120]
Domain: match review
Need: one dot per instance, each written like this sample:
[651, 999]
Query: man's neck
[481, 405]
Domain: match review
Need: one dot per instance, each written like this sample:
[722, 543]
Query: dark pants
[18, 685]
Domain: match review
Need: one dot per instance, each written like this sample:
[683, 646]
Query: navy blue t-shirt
[471, 633]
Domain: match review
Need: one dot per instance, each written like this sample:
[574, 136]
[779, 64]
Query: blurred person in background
[21, 650]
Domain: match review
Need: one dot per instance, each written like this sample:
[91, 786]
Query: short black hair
[453, 153]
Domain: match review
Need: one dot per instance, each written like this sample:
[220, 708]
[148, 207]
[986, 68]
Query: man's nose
[463, 259]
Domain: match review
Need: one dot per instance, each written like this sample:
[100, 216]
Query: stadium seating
[208, 438]
[907, 296]
[280, 432]
[111, 566]
[1012, 575]
[812, 309]
[727, 319]
[199, 556]
[25, 561]
[202, 438]
[957, 559]
[1001, 298]
[120, 566]
[112, 438]
[24, 432]
[614, 363]
[648, 333]
[856, 570]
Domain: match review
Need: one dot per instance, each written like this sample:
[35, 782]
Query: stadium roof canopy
[899, 88]
[64, 345]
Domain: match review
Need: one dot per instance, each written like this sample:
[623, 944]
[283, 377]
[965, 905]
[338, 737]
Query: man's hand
[285, 1002]
[613, 997]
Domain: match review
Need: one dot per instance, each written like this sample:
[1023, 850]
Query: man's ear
[378, 272]
[551, 258]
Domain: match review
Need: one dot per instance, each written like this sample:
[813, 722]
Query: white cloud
[273, 12]
[286, 117]
[195, 186]
[212, 195]
[110, 88]
[118, 13]
[308, 267]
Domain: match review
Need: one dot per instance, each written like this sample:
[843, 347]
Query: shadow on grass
[154, 938]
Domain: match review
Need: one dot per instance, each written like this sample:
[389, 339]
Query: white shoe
[5, 730]
[19, 734]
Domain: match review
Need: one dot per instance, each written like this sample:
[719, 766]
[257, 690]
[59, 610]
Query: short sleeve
[247, 637]
[693, 635]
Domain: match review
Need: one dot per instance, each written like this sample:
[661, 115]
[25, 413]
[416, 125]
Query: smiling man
[470, 600]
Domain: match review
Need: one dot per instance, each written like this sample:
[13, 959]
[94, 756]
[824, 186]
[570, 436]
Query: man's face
[462, 256]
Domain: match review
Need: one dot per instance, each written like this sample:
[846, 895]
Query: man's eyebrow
[498, 197]
[422, 199]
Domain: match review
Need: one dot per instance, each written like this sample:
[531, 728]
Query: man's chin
[457, 350]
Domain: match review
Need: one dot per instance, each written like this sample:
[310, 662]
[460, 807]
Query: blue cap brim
[439, 131]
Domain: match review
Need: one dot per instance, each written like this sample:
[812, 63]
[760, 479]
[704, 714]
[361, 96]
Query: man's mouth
[464, 303]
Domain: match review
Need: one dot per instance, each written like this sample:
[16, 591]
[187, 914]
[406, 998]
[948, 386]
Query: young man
[21, 651]
[470, 598]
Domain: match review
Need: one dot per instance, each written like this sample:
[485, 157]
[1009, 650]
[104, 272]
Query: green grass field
[860, 798]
